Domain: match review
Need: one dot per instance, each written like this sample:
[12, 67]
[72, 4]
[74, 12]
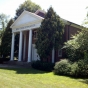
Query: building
[27, 25]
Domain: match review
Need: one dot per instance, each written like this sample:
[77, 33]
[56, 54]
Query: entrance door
[35, 55]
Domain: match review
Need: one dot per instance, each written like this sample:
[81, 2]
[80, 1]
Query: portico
[25, 24]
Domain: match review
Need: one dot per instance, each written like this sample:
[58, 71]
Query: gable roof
[26, 18]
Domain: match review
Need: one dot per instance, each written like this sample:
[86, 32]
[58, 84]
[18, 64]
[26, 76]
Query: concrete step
[19, 63]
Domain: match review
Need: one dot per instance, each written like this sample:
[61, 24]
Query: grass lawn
[30, 78]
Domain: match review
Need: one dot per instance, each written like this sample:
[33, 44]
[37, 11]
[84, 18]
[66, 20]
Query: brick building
[26, 26]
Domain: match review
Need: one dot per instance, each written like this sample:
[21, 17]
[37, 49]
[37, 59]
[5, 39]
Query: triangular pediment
[26, 18]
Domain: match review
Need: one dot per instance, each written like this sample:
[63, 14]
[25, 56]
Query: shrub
[4, 60]
[44, 66]
[74, 70]
[62, 67]
[79, 69]
[82, 68]
[76, 47]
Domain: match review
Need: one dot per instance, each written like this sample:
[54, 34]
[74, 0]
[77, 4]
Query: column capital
[13, 32]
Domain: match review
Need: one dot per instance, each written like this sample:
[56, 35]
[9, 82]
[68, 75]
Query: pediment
[26, 18]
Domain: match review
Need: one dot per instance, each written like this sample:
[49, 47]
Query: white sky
[71, 10]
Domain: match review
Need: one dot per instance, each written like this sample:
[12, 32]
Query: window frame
[35, 34]
[59, 52]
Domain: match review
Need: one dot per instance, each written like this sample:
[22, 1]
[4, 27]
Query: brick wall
[68, 32]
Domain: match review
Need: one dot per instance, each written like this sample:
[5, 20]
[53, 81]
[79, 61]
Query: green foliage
[76, 69]
[6, 40]
[3, 21]
[82, 69]
[44, 66]
[27, 5]
[62, 67]
[73, 71]
[16, 45]
[4, 60]
[3, 24]
[78, 46]
[79, 69]
[49, 34]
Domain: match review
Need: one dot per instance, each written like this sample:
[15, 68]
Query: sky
[71, 10]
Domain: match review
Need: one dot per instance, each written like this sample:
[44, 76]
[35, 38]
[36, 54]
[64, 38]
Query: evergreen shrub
[62, 67]
[44, 66]
[76, 69]
[4, 60]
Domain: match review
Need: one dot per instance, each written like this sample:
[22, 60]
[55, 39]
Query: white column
[12, 47]
[53, 51]
[20, 46]
[24, 46]
[30, 46]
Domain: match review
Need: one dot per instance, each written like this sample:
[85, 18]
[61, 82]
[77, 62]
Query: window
[35, 34]
[60, 53]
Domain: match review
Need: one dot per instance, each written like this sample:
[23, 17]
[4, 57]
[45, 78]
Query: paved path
[6, 65]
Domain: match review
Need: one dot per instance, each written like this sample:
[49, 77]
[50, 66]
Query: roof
[26, 18]
[40, 14]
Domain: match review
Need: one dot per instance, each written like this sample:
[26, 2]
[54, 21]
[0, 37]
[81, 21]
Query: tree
[78, 46]
[27, 5]
[85, 22]
[3, 24]
[3, 21]
[49, 34]
[6, 40]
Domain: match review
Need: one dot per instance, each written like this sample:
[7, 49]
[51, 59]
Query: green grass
[30, 78]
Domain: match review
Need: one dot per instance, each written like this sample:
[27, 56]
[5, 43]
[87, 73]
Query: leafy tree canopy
[27, 5]
[3, 24]
[78, 46]
[49, 34]
[5, 47]
[3, 21]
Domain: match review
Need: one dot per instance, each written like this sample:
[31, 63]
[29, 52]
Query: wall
[68, 32]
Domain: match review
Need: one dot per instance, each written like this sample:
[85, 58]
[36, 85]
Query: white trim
[60, 54]
[27, 24]
[29, 27]
[29, 13]
[35, 34]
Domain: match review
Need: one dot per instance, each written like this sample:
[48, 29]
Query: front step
[19, 63]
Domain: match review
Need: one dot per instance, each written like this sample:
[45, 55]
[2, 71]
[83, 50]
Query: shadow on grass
[81, 79]
[21, 70]
[84, 81]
